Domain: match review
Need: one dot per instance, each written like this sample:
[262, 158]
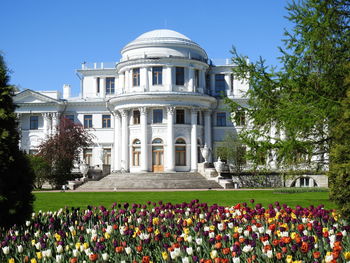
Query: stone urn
[205, 151]
[84, 169]
[219, 166]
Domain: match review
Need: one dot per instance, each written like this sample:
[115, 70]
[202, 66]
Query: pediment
[33, 97]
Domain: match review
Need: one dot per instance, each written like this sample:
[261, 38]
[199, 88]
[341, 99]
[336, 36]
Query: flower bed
[187, 232]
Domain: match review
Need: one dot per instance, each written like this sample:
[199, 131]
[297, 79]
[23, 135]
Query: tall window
[87, 155]
[157, 116]
[157, 75]
[196, 78]
[180, 76]
[110, 86]
[219, 83]
[180, 152]
[70, 117]
[240, 118]
[136, 117]
[87, 121]
[34, 122]
[98, 85]
[221, 119]
[136, 77]
[136, 152]
[107, 156]
[106, 121]
[180, 116]
[199, 118]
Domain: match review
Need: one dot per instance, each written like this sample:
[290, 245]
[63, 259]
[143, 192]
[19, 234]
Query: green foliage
[339, 174]
[293, 109]
[41, 169]
[16, 175]
[232, 151]
[62, 149]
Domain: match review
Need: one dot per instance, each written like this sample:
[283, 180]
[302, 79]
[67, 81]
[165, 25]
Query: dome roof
[160, 37]
[161, 33]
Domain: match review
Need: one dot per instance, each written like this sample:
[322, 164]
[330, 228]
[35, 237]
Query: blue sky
[45, 41]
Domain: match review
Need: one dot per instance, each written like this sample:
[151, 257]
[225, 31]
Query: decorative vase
[205, 151]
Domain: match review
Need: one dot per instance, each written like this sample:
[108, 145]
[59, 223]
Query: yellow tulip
[39, 255]
[33, 260]
[11, 260]
[347, 255]
[165, 255]
[289, 259]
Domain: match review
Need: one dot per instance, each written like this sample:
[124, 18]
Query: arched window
[157, 141]
[180, 152]
[136, 152]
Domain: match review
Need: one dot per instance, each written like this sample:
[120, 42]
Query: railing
[99, 65]
[220, 61]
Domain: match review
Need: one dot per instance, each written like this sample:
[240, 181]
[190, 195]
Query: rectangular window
[157, 116]
[221, 119]
[107, 156]
[106, 121]
[87, 121]
[157, 75]
[196, 78]
[180, 116]
[110, 86]
[98, 85]
[136, 153]
[136, 117]
[136, 77]
[34, 122]
[87, 155]
[180, 155]
[180, 76]
[219, 84]
[70, 117]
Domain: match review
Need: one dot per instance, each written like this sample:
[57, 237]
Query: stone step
[151, 181]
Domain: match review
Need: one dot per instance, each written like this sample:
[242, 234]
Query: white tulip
[20, 249]
[211, 235]
[185, 260]
[236, 260]
[269, 254]
[128, 250]
[6, 250]
[105, 256]
[27, 223]
[189, 251]
[59, 258]
[199, 241]
[47, 253]
[38, 246]
[59, 249]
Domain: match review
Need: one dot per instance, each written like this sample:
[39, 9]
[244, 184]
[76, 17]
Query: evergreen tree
[16, 175]
[303, 99]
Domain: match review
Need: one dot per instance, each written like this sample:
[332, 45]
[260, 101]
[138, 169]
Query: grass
[300, 190]
[50, 201]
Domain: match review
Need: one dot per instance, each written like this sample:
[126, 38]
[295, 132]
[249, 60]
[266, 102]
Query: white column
[191, 79]
[144, 79]
[117, 142]
[95, 87]
[125, 141]
[212, 83]
[170, 140]
[54, 122]
[102, 87]
[144, 141]
[169, 77]
[207, 132]
[194, 148]
[46, 117]
[228, 84]
[121, 82]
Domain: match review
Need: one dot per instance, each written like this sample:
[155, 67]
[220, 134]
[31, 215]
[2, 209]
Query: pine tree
[303, 99]
[16, 175]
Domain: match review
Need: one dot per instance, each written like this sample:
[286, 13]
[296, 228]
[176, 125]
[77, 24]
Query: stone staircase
[141, 181]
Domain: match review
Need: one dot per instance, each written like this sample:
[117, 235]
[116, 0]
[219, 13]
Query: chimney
[66, 91]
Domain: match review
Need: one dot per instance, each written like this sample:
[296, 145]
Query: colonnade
[122, 143]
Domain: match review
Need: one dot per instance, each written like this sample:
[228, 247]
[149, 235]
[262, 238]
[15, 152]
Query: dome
[162, 38]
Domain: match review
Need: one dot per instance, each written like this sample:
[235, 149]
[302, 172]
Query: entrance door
[157, 159]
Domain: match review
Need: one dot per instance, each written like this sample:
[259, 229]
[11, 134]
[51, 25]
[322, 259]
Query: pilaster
[144, 142]
[117, 142]
[125, 140]
[207, 132]
[194, 149]
[170, 140]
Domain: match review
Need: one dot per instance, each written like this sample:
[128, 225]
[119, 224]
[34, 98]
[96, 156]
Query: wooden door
[157, 159]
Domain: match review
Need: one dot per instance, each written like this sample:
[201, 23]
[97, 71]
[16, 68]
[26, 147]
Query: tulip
[189, 251]
[128, 250]
[213, 254]
[59, 258]
[6, 250]
[20, 249]
[185, 260]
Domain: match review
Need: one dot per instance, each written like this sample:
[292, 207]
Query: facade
[151, 111]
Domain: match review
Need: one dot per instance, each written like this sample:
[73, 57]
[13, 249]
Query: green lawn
[54, 200]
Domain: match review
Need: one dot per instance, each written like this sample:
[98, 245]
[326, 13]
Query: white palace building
[152, 111]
